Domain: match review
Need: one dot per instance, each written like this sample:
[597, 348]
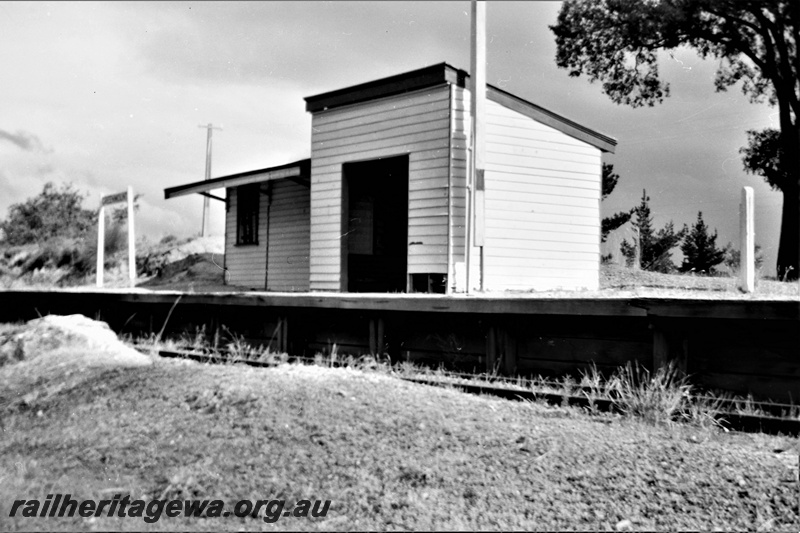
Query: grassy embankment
[387, 453]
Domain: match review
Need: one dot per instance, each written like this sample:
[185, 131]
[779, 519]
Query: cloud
[316, 45]
[25, 141]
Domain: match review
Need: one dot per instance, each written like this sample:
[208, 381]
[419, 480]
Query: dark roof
[440, 74]
[303, 173]
[398, 84]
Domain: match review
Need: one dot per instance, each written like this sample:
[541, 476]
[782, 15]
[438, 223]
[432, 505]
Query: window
[247, 199]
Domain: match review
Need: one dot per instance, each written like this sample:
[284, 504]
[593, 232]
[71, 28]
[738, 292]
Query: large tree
[616, 42]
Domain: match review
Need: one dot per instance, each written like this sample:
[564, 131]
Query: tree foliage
[700, 252]
[52, 213]
[733, 257]
[616, 42]
[762, 157]
[655, 247]
[617, 220]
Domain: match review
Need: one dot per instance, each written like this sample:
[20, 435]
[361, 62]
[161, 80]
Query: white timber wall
[417, 124]
[246, 264]
[289, 237]
[543, 192]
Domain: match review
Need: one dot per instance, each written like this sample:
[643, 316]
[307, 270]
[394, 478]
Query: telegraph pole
[209, 128]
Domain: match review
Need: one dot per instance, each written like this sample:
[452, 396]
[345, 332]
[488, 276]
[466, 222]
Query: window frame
[247, 213]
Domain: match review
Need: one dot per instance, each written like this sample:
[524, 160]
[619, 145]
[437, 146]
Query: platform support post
[285, 335]
[381, 344]
[509, 353]
[281, 335]
[669, 347]
[377, 346]
[491, 349]
[501, 351]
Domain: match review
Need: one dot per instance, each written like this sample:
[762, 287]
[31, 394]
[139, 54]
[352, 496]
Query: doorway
[375, 249]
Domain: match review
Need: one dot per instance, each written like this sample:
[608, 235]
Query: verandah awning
[298, 171]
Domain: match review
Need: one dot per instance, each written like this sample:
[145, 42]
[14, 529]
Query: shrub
[53, 213]
[733, 257]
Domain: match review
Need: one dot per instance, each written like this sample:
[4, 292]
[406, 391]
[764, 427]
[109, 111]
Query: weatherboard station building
[381, 204]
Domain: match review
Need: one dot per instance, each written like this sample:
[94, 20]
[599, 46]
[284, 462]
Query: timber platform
[743, 345]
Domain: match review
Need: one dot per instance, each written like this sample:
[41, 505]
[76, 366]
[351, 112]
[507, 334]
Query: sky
[105, 95]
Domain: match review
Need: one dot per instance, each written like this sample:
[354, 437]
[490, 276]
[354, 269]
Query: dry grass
[618, 278]
[389, 454]
[615, 282]
[196, 266]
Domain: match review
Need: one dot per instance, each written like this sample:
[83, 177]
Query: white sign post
[101, 231]
[747, 270]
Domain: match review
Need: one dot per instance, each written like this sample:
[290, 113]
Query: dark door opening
[376, 211]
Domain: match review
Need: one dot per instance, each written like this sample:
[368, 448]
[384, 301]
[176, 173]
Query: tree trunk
[788, 266]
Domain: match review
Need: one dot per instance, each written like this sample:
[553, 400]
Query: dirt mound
[152, 261]
[48, 355]
[192, 270]
[89, 341]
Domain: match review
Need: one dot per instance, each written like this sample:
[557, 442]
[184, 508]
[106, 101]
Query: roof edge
[549, 118]
[303, 166]
[431, 76]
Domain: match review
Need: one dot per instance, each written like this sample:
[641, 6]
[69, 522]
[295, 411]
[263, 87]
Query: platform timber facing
[740, 345]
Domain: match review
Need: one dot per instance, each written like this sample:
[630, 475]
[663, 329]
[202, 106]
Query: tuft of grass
[655, 397]
[702, 411]
[592, 386]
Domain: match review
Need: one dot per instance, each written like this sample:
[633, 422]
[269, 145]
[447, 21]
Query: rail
[777, 422]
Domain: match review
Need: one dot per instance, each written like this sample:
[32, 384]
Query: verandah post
[101, 230]
[131, 240]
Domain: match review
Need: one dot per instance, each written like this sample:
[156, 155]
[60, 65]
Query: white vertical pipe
[476, 216]
[747, 271]
[131, 240]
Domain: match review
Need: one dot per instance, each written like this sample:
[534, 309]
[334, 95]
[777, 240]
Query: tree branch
[774, 44]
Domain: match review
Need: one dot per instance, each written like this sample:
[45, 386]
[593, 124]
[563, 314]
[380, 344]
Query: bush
[53, 213]
[733, 257]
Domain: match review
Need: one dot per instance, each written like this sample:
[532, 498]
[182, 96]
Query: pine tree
[700, 252]
[609, 224]
[655, 248]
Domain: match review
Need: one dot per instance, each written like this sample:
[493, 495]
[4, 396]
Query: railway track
[775, 421]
